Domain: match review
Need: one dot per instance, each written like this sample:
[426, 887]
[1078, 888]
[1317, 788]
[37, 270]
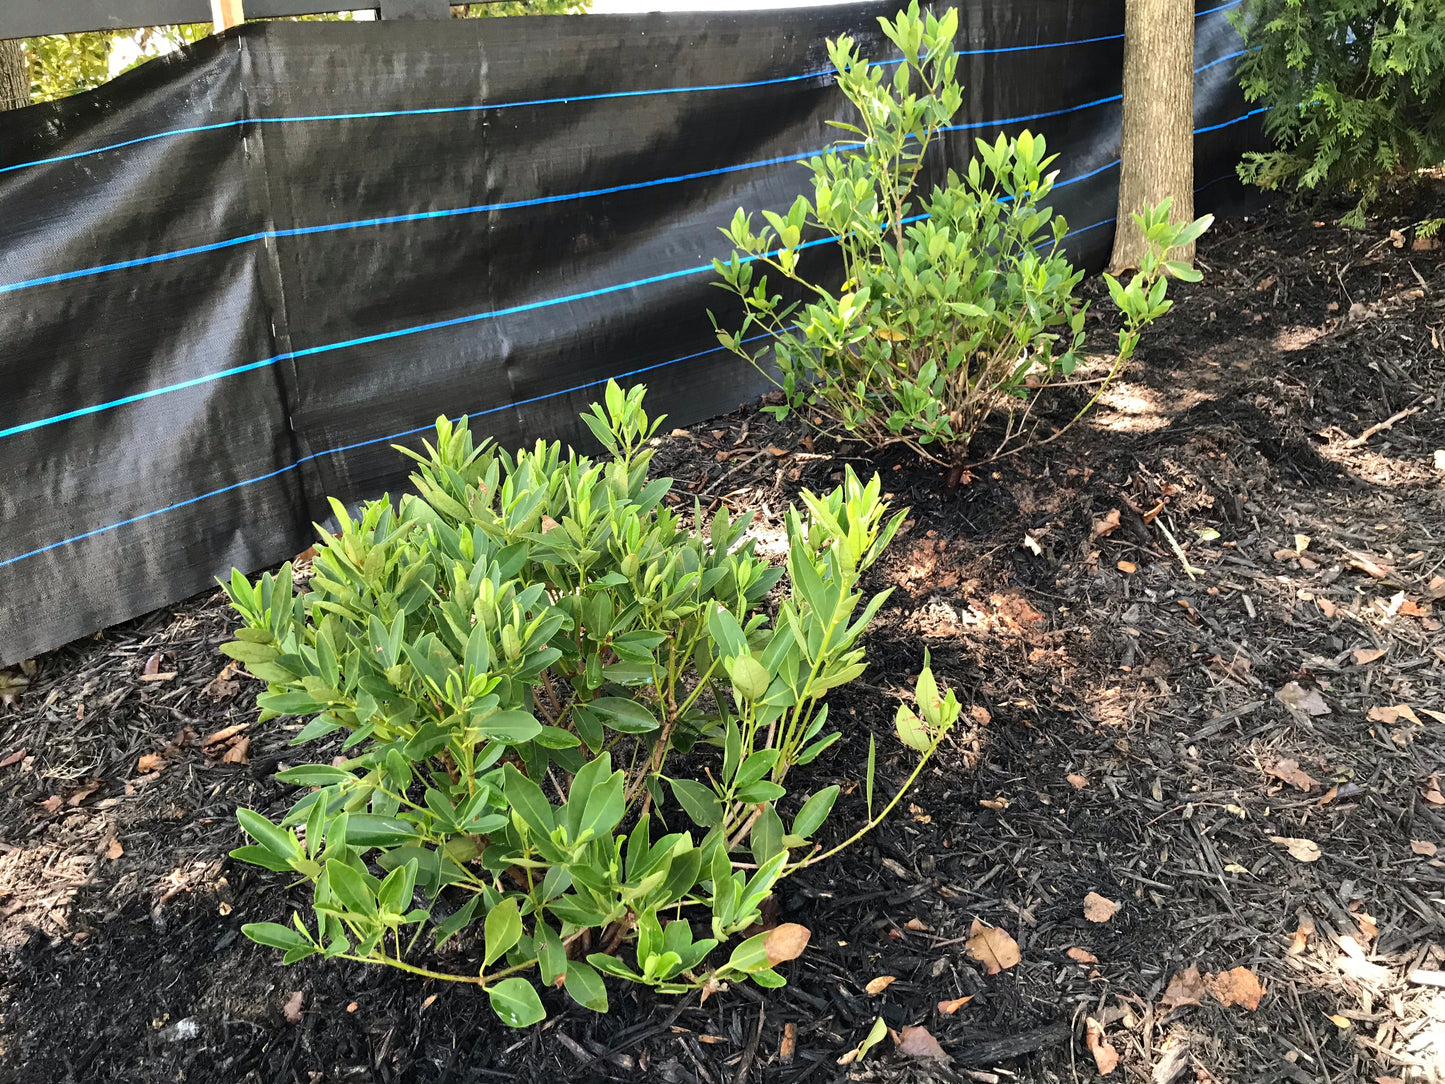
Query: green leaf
[766, 838]
[512, 727]
[516, 1003]
[503, 929]
[585, 986]
[527, 799]
[351, 888]
[277, 840]
[314, 775]
[551, 955]
[274, 935]
[814, 812]
[604, 807]
[457, 921]
[698, 801]
[912, 731]
[248, 653]
[868, 780]
[623, 715]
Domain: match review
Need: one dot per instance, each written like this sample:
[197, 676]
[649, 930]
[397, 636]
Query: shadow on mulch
[1125, 736]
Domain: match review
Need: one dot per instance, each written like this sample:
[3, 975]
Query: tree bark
[1158, 147]
[14, 75]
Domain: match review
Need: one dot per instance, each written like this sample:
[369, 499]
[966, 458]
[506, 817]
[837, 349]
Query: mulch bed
[1135, 728]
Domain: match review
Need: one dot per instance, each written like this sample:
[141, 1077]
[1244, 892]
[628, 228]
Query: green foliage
[945, 315]
[1356, 90]
[521, 7]
[567, 718]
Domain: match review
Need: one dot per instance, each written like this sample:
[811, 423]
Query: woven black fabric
[231, 279]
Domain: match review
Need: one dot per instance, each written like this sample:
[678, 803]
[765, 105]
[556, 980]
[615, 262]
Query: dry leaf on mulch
[1105, 1056]
[1297, 698]
[948, 1008]
[1302, 935]
[1078, 782]
[1185, 988]
[917, 1042]
[1290, 772]
[992, 947]
[1363, 656]
[1099, 908]
[881, 983]
[1237, 988]
[1081, 956]
[1305, 850]
[1423, 847]
[292, 1009]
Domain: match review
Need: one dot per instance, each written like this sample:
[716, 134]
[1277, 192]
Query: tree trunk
[14, 75]
[1158, 148]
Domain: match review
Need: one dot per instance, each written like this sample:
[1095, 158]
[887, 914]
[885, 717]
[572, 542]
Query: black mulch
[1126, 736]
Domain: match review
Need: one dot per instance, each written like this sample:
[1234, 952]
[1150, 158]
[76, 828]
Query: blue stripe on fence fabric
[505, 406]
[508, 205]
[527, 103]
[292, 355]
[359, 444]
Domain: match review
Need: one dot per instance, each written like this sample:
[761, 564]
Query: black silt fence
[231, 279]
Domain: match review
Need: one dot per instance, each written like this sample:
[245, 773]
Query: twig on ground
[1388, 423]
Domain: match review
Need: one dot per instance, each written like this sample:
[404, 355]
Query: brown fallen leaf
[428, 1001]
[1078, 782]
[1392, 713]
[992, 947]
[53, 804]
[1368, 929]
[786, 942]
[1341, 1022]
[1106, 525]
[226, 733]
[1423, 847]
[1297, 698]
[1305, 850]
[1105, 1056]
[1289, 771]
[152, 665]
[917, 925]
[1411, 608]
[14, 758]
[1127, 567]
[1363, 562]
[1185, 988]
[83, 793]
[1438, 716]
[881, 983]
[776, 452]
[238, 753]
[1431, 791]
[1363, 656]
[292, 1009]
[980, 715]
[1327, 607]
[1436, 588]
[1099, 908]
[150, 762]
[352, 1007]
[948, 1008]
[917, 1042]
[1302, 935]
[1329, 796]
[113, 849]
[789, 1046]
[1081, 956]
[1237, 987]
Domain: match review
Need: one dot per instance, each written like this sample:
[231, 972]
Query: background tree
[14, 76]
[1355, 90]
[1158, 146]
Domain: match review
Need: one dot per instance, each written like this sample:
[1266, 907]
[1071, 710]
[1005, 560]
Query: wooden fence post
[226, 14]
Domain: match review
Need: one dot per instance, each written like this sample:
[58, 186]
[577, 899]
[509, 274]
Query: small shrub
[1356, 90]
[567, 718]
[944, 315]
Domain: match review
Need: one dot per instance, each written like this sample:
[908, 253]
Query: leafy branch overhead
[567, 720]
[950, 309]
